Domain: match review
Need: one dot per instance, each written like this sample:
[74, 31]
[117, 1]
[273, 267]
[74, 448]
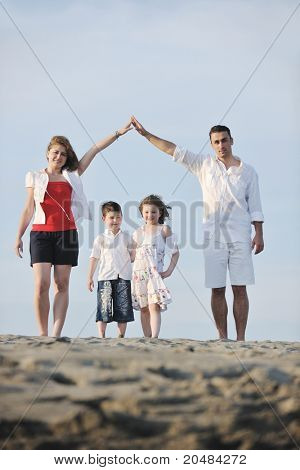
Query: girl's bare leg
[155, 320]
[122, 329]
[61, 297]
[101, 328]
[42, 276]
[145, 320]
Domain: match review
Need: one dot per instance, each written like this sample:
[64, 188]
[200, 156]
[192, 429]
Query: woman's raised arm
[88, 157]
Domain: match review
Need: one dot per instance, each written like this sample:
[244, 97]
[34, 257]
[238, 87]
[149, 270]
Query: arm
[167, 234]
[188, 159]
[255, 210]
[94, 260]
[161, 144]
[25, 219]
[172, 265]
[132, 250]
[92, 268]
[89, 156]
[132, 246]
[258, 240]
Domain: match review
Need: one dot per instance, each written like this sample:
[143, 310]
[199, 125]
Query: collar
[110, 233]
[231, 169]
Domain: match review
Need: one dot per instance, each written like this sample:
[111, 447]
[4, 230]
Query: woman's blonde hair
[72, 162]
[158, 202]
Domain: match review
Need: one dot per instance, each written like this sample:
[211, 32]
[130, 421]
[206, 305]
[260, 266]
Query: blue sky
[177, 66]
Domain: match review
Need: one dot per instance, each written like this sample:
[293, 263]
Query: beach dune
[137, 393]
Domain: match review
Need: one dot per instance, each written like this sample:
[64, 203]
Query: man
[231, 204]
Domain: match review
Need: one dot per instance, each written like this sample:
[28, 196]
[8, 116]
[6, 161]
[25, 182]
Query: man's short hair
[110, 206]
[219, 128]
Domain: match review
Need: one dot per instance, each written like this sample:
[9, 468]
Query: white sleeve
[134, 237]
[171, 244]
[131, 242]
[29, 181]
[96, 251]
[128, 240]
[253, 198]
[191, 161]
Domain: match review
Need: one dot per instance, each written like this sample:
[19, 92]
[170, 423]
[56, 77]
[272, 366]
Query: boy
[114, 253]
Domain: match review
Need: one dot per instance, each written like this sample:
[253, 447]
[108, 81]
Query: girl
[149, 293]
[56, 194]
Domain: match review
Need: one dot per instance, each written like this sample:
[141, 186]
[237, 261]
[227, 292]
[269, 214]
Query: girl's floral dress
[148, 287]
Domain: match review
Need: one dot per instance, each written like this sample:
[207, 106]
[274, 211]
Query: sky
[80, 69]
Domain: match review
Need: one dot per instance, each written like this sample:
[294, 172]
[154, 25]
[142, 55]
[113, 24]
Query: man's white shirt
[113, 252]
[231, 197]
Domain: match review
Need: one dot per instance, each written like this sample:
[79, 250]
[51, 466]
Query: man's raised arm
[161, 144]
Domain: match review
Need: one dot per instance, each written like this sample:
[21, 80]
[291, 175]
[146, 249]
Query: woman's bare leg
[61, 297]
[42, 276]
[145, 320]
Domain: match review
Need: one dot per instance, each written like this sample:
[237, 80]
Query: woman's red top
[57, 208]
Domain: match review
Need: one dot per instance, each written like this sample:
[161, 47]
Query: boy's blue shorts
[114, 301]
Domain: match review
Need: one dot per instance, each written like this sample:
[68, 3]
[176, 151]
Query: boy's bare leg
[122, 329]
[145, 320]
[155, 320]
[101, 328]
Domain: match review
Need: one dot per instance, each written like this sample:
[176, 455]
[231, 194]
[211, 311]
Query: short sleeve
[171, 244]
[29, 183]
[134, 237]
[96, 251]
[128, 240]
[131, 242]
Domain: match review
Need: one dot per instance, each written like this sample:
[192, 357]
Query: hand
[90, 285]
[258, 243]
[138, 126]
[19, 247]
[165, 274]
[126, 128]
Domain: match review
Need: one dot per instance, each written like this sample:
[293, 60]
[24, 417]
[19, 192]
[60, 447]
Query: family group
[131, 272]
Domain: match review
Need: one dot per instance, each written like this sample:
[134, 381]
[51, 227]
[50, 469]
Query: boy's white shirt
[113, 253]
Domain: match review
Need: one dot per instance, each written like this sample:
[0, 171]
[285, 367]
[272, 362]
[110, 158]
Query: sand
[136, 393]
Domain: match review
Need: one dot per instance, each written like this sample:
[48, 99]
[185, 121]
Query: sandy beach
[135, 393]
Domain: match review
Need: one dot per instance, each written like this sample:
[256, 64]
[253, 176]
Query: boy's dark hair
[110, 206]
[158, 202]
[219, 128]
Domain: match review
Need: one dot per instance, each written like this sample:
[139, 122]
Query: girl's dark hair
[156, 201]
[72, 162]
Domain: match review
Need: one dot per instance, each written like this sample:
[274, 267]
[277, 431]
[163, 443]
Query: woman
[56, 195]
